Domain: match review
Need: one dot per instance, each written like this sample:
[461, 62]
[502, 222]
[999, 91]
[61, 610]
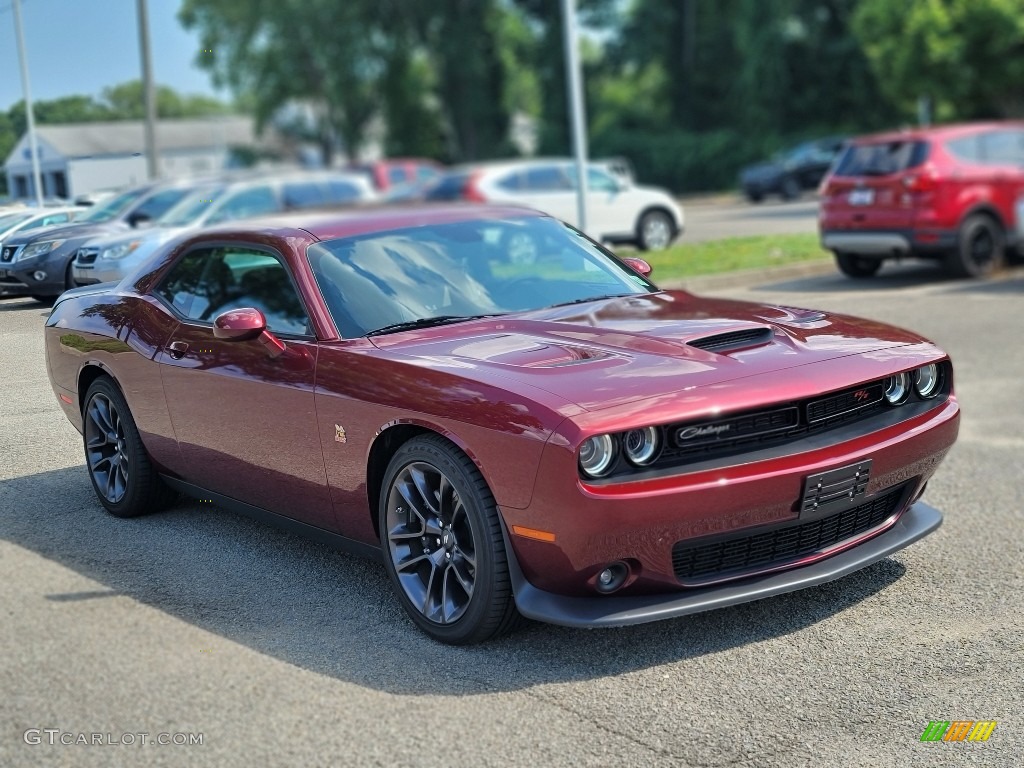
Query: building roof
[127, 136]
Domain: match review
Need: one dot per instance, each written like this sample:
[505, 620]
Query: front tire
[121, 472]
[655, 231]
[852, 265]
[443, 545]
[981, 248]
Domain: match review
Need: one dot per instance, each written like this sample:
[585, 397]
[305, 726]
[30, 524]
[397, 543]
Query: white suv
[617, 211]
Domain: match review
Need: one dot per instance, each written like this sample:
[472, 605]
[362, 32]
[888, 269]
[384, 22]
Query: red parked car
[954, 193]
[400, 172]
[556, 438]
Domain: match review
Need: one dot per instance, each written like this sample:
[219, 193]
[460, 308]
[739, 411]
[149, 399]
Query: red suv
[954, 193]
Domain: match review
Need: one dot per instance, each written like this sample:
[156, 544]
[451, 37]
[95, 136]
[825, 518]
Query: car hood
[70, 232]
[611, 352]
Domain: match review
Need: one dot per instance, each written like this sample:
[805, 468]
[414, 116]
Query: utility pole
[576, 108]
[37, 177]
[148, 91]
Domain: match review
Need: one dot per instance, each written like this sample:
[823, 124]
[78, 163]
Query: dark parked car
[953, 193]
[556, 438]
[38, 264]
[791, 172]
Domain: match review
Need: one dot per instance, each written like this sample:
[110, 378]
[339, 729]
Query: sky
[82, 46]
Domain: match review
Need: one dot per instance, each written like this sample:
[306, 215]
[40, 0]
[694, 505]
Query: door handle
[177, 349]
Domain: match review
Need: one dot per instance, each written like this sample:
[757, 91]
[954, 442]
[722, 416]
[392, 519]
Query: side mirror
[239, 324]
[639, 265]
[139, 219]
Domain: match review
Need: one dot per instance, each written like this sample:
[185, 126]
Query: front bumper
[914, 524]
[20, 278]
[886, 243]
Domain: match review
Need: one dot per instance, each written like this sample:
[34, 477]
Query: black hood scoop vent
[727, 342]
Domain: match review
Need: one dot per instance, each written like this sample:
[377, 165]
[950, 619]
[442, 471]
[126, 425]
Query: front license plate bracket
[834, 490]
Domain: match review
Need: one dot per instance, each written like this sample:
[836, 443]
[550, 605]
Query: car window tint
[966, 148]
[426, 173]
[597, 180]
[882, 159]
[510, 181]
[157, 205]
[211, 281]
[249, 202]
[450, 187]
[1003, 147]
[304, 194]
[57, 218]
[396, 175]
[34, 224]
[462, 269]
[546, 178]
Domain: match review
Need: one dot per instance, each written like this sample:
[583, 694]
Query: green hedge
[686, 162]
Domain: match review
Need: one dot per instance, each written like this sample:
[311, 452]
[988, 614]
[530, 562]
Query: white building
[79, 158]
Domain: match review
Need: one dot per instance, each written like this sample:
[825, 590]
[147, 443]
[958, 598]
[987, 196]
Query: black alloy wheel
[443, 545]
[122, 475]
[852, 265]
[981, 247]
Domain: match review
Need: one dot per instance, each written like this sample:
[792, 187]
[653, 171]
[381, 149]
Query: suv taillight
[924, 180]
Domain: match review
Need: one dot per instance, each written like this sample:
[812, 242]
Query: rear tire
[981, 248]
[443, 544]
[655, 231]
[790, 188]
[852, 265]
[121, 472]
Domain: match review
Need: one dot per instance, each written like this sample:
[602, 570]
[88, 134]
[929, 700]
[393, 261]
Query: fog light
[39, 275]
[612, 577]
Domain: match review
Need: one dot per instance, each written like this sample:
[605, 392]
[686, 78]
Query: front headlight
[642, 445]
[120, 250]
[38, 249]
[596, 455]
[926, 381]
[897, 388]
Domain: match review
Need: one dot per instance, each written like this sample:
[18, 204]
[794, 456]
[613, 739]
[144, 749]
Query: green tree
[967, 56]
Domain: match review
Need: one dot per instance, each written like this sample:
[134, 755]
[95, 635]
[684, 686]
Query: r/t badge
[339, 434]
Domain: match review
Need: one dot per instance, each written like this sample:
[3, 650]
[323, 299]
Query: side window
[210, 281]
[546, 178]
[1003, 147]
[967, 148]
[511, 181]
[597, 181]
[396, 175]
[58, 218]
[157, 205]
[250, 202]
[303, 194]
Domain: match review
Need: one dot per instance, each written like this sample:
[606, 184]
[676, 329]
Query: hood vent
[722, 342]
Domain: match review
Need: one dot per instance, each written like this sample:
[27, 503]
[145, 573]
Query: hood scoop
[733, 340]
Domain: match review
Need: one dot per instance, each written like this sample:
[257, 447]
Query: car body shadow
[335, 614]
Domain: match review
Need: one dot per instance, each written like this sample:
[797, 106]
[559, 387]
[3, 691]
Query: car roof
[329, 225]
[952, 130]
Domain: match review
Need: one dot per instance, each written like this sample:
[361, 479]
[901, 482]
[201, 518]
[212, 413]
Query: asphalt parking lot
[712, 218]
[282, 652]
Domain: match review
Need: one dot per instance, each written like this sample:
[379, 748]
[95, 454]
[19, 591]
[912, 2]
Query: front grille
[7, 254]
[87, 255]
[733, 340]
[845, 402]
[696, 438]
[740, 555]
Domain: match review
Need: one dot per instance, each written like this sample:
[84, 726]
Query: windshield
[191, 207]
[113, 207]
[13, 219]
[463, 269]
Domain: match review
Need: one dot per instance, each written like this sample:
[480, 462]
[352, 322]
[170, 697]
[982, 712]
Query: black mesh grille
[695, 562]
[733, 340]
[845, 402]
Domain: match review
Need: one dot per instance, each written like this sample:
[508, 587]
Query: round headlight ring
[641, 445]
[927, 381]
[597, 454]
[897, 388]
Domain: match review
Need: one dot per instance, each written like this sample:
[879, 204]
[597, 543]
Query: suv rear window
[881, 159]
[450, 187]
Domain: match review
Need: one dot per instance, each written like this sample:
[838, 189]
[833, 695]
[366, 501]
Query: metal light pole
[577, 111]
[148, 90]
[37, 177]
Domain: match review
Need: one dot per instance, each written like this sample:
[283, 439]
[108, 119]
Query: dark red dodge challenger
[521, 423]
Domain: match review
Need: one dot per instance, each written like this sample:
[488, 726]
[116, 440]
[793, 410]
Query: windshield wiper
[591, 298]
[425, 322]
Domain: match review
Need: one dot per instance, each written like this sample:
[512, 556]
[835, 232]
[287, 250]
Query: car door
[245, 422]
[611, 210]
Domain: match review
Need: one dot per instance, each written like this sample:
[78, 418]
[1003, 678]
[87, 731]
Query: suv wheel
[981, 247]
[852, 265]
